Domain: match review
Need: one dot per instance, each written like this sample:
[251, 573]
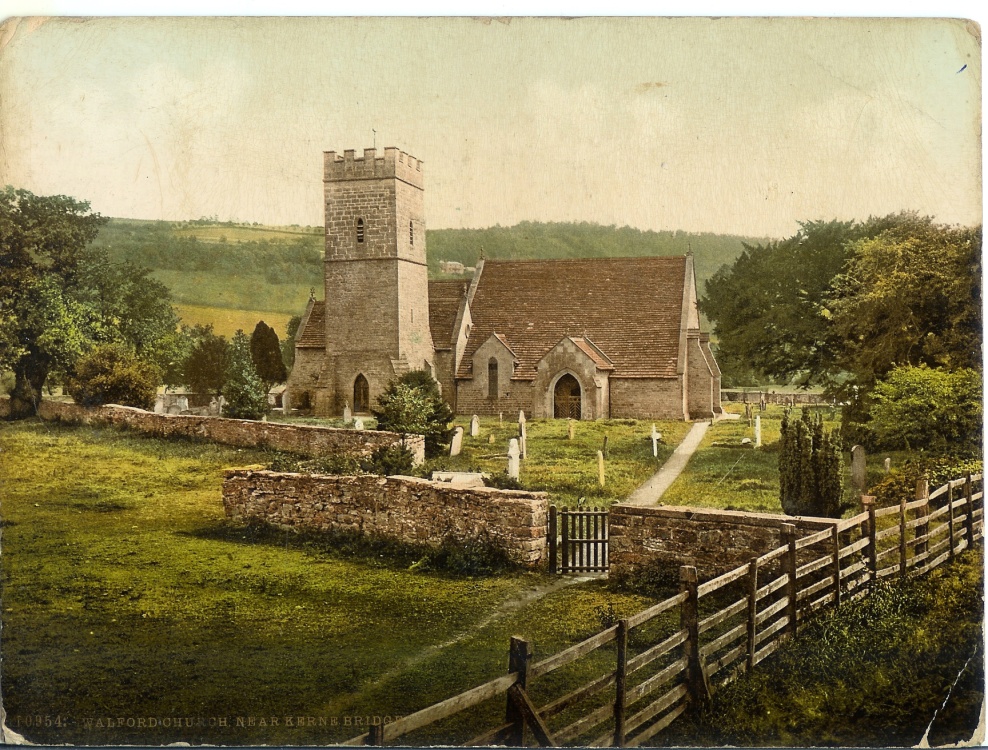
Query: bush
[927, 408]
[901, 482]
[502, 482]
[653, 578]
[389, 461]
[112, 374]
[479, 556]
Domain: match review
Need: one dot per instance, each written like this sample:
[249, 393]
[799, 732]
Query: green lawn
[127, 594]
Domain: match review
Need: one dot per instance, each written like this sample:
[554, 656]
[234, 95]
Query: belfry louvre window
[360, 230]
[411, 234]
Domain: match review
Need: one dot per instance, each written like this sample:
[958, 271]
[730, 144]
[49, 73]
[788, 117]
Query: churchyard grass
[128, 594]
[567, 469]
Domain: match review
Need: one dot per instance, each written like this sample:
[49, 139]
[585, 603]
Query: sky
[741, 126]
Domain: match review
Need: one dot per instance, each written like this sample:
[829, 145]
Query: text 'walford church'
[579, 338]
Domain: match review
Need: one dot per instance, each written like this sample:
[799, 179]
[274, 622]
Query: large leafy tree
[205, 368]
[113, 374]
[265, 353]
[60, 297]
[910, 295]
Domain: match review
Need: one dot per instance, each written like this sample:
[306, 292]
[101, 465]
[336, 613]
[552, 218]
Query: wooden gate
[577, 540]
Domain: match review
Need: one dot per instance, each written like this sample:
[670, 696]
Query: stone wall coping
[246, 471]
[715, 515]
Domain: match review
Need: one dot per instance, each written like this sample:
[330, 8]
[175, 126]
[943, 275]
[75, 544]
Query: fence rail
[655, 665]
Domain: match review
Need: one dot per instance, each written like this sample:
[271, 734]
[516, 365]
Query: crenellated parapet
[394, 164]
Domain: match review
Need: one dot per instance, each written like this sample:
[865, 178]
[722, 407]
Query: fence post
[518, 659]
[689, 620]
[789, 538]
[922, 493]
[969, 522]
[564, 517]
[621, 682]
[837, 571]
[902, 536]
[752, 609]
[868, 501]
[553, 564]
[376, 736]
[950, 518]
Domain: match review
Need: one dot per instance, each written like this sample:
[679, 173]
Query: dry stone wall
[405, 509]
[304, 440]
[715, 541]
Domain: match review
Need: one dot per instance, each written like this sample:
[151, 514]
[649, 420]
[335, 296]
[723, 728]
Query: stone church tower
[377, 289]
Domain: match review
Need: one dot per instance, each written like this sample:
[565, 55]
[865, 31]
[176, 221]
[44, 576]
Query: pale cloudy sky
[740, 126]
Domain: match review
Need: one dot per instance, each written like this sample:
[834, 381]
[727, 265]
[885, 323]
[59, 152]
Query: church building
[576, 338]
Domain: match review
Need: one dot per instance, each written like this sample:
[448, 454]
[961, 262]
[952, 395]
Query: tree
[910, 295]
[60, 297]
[412, 404]
[288, 344]
[246, 397]
[176, 348]
[113, 374]
[927, 408]
[810, 468]
[265, 353]
[205, 370]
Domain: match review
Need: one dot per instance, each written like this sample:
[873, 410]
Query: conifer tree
[265, 353]
[245, 394]
[810, 467]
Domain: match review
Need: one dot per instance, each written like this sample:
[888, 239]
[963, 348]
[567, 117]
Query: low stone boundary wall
[305, 440]
[405, 509]
[714, 541]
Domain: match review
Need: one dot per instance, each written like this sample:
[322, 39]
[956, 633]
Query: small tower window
[360, 230]
[492, 378]
[411, 234]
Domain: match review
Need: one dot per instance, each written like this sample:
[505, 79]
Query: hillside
[244, 272]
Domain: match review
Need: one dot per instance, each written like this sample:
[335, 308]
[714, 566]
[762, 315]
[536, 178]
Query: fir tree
[265, 353]
[810, 468]
[245, 394]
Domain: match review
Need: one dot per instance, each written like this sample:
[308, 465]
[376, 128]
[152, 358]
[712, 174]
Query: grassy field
[236, 293]
[127, 594]
[226, 321]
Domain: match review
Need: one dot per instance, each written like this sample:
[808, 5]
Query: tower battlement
[370, 166]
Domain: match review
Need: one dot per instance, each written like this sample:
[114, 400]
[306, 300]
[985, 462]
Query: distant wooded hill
[263, 268]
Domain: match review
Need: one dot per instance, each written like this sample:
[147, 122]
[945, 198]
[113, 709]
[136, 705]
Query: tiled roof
[630, 309]
[600, 359]
[314, 333]
[445, 298]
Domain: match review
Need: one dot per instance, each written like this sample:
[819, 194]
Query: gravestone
[474, 426]
[570, 428]
[888, 465]
[523, 439]
[513, 455]
[347, 414]
[159, 403]
[500, 417]
[173, 409]
[858, 458]
[214, 407]
[655, 442]
[222, 404]
[358, 424]
[457, 444]
[600, 467]
[758, 430]
[490, 439]
[182, 402]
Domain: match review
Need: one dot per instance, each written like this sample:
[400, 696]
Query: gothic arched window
[492, 378]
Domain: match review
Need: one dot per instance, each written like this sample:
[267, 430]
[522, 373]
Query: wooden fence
[648, 669]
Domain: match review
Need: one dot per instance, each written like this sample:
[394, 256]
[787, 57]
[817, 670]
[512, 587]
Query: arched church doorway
[566, 400]
[361, 395]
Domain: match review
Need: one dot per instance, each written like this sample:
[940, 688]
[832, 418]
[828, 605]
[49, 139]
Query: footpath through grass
[126, 594]
[871, 673]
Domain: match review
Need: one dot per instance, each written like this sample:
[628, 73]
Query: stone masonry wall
[302, 439]
[715, 541]
[647, 398]
[401, 508]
